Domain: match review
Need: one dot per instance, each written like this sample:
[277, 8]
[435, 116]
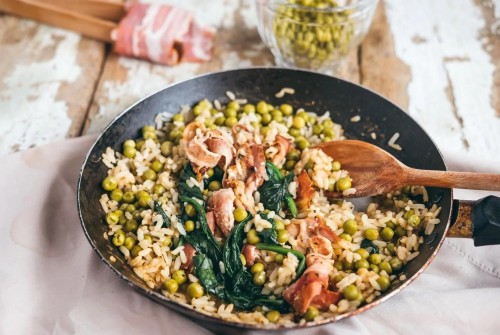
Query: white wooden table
[439, 60]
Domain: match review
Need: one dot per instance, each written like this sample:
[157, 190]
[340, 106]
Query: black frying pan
[315, 93]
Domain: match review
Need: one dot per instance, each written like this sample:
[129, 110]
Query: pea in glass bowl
[313, 34]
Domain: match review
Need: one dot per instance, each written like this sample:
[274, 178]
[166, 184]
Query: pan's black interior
[315, 93]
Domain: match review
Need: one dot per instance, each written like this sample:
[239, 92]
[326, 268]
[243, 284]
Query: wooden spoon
[375, 171]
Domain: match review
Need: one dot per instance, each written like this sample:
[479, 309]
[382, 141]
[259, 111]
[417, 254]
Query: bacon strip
[189, 251]
[222, 205]
[164, 34]
[282, 145]
[305, 192]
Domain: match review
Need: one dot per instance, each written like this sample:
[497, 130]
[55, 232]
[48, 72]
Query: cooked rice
[284, 90]
[392, 142]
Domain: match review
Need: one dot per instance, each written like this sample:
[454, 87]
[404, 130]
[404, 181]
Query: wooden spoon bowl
[375, 171]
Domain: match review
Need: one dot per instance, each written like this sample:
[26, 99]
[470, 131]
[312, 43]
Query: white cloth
[53, 283]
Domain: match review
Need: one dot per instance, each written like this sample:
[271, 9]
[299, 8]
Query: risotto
[223, 208]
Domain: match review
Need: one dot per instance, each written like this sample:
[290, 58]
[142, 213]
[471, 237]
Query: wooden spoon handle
[451, 179]
[60, 17]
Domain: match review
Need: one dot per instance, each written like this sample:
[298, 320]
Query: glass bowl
[313, 34]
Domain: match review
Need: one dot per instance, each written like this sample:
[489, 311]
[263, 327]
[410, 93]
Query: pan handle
[479, 220]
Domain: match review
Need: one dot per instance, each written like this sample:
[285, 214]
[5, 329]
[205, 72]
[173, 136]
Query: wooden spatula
[375, 171]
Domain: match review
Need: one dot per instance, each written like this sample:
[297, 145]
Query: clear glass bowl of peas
[313, 34]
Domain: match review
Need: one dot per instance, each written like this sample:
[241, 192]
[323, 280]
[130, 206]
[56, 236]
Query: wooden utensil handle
[451, 179]
[46, 13]
[103, 9]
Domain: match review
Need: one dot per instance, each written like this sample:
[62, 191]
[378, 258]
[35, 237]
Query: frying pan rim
[184, 309]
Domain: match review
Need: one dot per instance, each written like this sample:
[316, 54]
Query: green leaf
[369, 246]
[275, 189]
[203, 241]
[159, 210]
[291, 205]
[285, 251]
[232, 249]
[184, 190]
[204, 271]
[268, 235]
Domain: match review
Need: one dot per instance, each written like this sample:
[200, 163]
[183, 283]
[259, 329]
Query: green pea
[350, 226]
[166, 148]
[350, 292]
[293, 155]
[289, 165]
[374, 268]
[347, 265]
[178, 118]
[135, 251]
[257, 267]
[240, 214]
[385, 266]
[144, 201]
[386, 234]
[327, 123]
[311, 313]
[262, 108]
[190, 210]
[328, 132]
[338, 266]
[390, 224]
[414, 220]
[396, 263]
[149, 174]
[119, 238]
[273, 316]
[371, 234]
[130, 208]
[336, 166]
[294, 132]
[141, 193]
[277, 116]
[407, 215]
[384, 283]
[210, 173]
[391, 247]
[230, 122]
[149, 135]
[266, 118]
[233, 105]
[259, 278]
[214, 185]
[156, 166]
[131, 225]
[195, 290]
[283, 236]
[179, 276]
[298, 122]
[264, 130]
[301, 142]
[346, 237]
[175, 134]
[286, 109]
[139, 144]
[343, 184]
[116, 194]
[278, 258]
[167, 241]
[362, 264]
[129, 143]
[189, 226]
[252, 237]
[363, 253]
[148, 238]
[129, 152]
[317, 129]
[129, 242]
[249, 108]
[375, 259]
[280, 225]
[112, 218]
[229, 112]
[110, 183]
[400, 231]
[158, 189]
[171, 286]
[220, 121]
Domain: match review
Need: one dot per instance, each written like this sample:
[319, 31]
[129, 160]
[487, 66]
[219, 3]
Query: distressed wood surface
[438, 60]
[47, 79]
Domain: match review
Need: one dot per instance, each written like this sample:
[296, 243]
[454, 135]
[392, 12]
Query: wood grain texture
[47, 77]
[452, 75]
[381, 69]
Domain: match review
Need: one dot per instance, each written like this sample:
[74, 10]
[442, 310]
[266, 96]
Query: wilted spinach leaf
[284, 251]
[204, 271]
[369, 246]
[184, 190]
[159, 210]
[268, 235]
[275, 189]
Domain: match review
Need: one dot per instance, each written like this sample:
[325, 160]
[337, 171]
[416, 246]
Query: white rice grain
[356, 118]
[392, 142]
[230, 95]
[284, 90]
